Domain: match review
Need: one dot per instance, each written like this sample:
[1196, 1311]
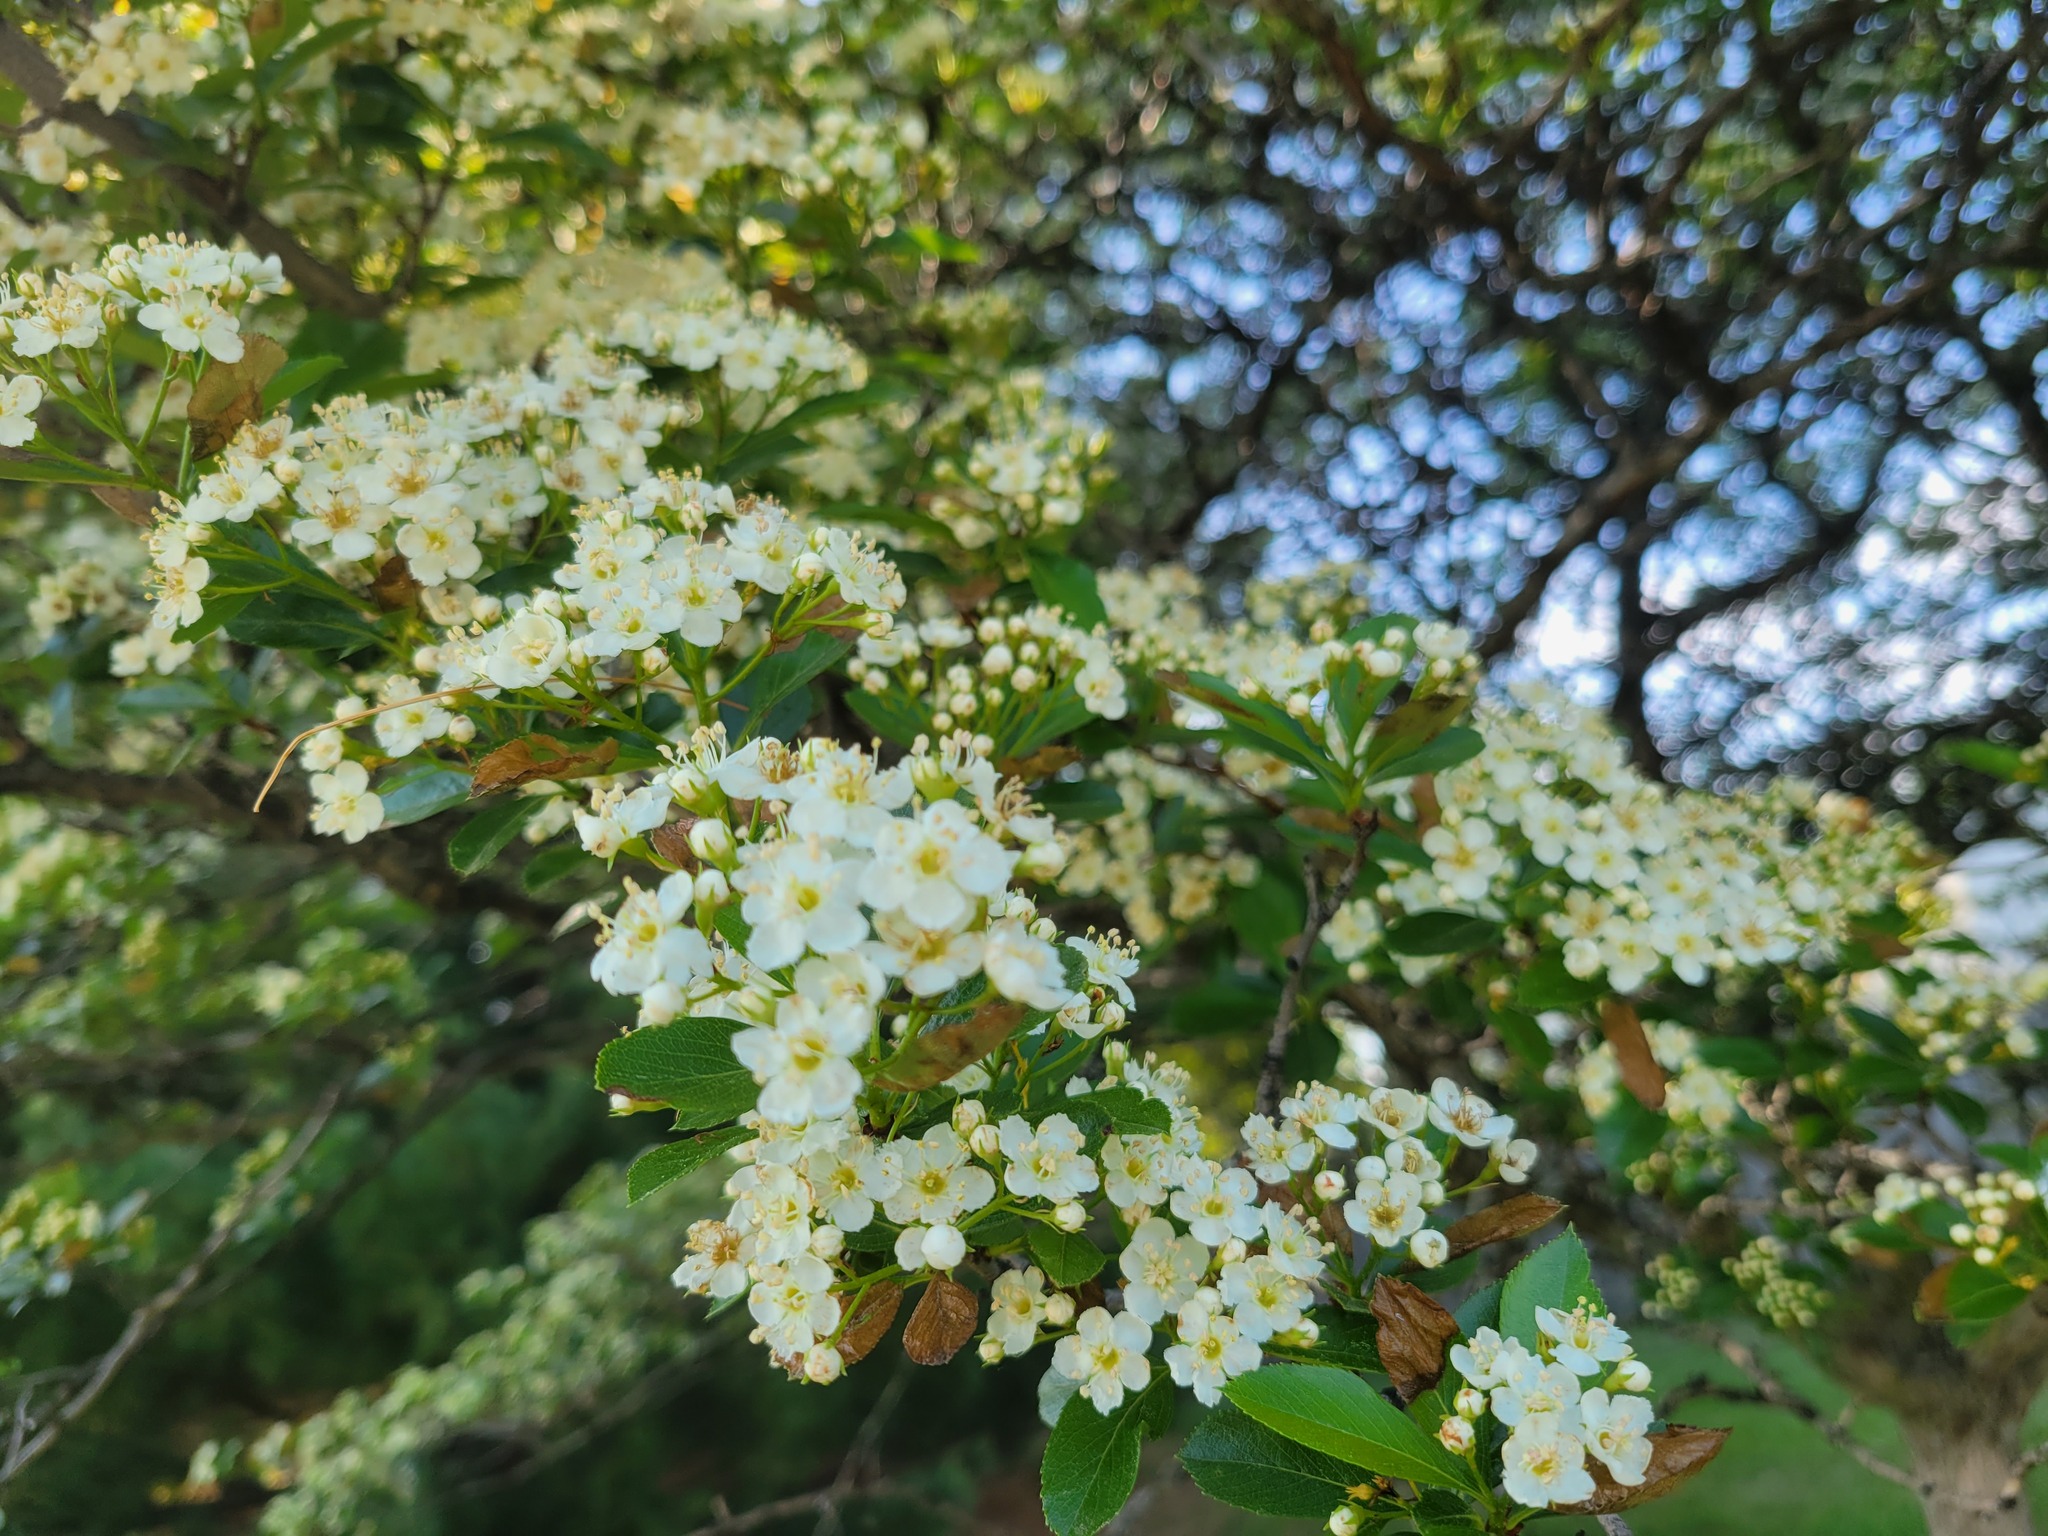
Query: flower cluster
[1012, 464]
[1786, 1299]
[1573, 1398]
[1696, 1096]
[1996, 1218]
[48, 1235]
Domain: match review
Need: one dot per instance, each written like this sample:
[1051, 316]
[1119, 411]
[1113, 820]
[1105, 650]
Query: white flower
[1109, 965]
[846, 795]
[1465, 1115]
[793, 1304]
[932, 866]
[798, 897]
[1325, 1113]
[1580, 1340]
[1387, 1210]
[1046, 1161]
[1394, 1112]
[1016, 1307]
[1516, 1157]
[1542, 1464]
[935, 1180]
[801, 1062]
[930, 960]
[1429, 1247]
[1265, 1298]
[1024, 967]
[527, 650]
[847, 1179]
[19, 397]
[1106, 1356]
[191, 321]
[1276, 1153]
[343, 804]
[714, 1267]
[1218, 1204]
[1161, 1269]
[1212, 1349]
[1616, 1430]
[1292, 1246]
[1134, 1170]
[1531, 1387]
[1488, 1359]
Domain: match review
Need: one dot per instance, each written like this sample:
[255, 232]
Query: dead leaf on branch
[1677, 1455]
[1517, 1216]
[1931, 1304]
[230, 394]
[942, 1322]
[870, 1321]
[538, 757]
[938, 1053]
[1042, 764]
[128, 503]
[1640, 1072]
[394, 586]
[1414, 1332]
[671, 840]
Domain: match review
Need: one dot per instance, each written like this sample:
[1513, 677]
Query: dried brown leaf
[870, 1320]
[128, 503]
[229, 394]
[943, 1321]
[1677, 1455]
[1640, 1072]
[1042, 764]
[1414, 1332]
[938, 1053]
[1516, 1216]
[1931, 1304]
[672, 841]
[538, 757]
[394, 586]
[1428, 810]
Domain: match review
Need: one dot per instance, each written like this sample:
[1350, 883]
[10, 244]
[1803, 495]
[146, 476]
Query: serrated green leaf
[660, 1166]
[1558, 1275]
[487, 834]
[1441, 933]
[1091, 1462]
[687, 1065]
[420, 795]
[1068, 584]
[1068, 1258]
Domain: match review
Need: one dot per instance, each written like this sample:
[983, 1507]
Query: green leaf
[1979, 1295]
[889, 717]
[1068, 1258]
[1343, 1339]
[1122, 1109]
[178, 696]
[780, 676]
[1743, 1055]
[50, 472]
[1441, 933]
[1069, 585]
[1410, 728]
[1884, 1034]
[687, 1065]
[486, 835]
[1556, 1275]
[301, 621]
[1459, 744]
[1237, 1460]
[420, 795]
[1338, 1414]
[845, 402]
[1547, 984]
[301, 374]
[1986, 757]
[1086, 800]
[660, 1166]
[552, 864]
[1091, 1462]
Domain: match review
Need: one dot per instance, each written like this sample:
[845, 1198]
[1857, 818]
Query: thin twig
[149, 1318]
[1321, 909]
[337, 723]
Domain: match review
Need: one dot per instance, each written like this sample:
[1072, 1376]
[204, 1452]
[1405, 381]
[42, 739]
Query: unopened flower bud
[969, 1115]
[461, 730]
[1429, 1247]
[1329, 1185]
[944, 1246]
[1059, 1309]
[1629, 1376]
[985, 1143]
[1470, 1402]
[1456, 1435]
[1111, 1016]
[711, 840]
[827, 1241]
[990, 1349]
[1302, 1335]
[1231, 1251]
[807, 568]
[1115, 1057]
[710, 888]
[1345, 1520]
[1041, 861]
[823, 1364]
[1069, 1216]
[910, 1248]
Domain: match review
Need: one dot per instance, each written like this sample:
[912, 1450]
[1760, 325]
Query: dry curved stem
[29, 1443]
[338, 722]
[1322, 906]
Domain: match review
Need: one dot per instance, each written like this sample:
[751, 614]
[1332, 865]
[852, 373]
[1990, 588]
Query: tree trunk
[1963, 1477]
